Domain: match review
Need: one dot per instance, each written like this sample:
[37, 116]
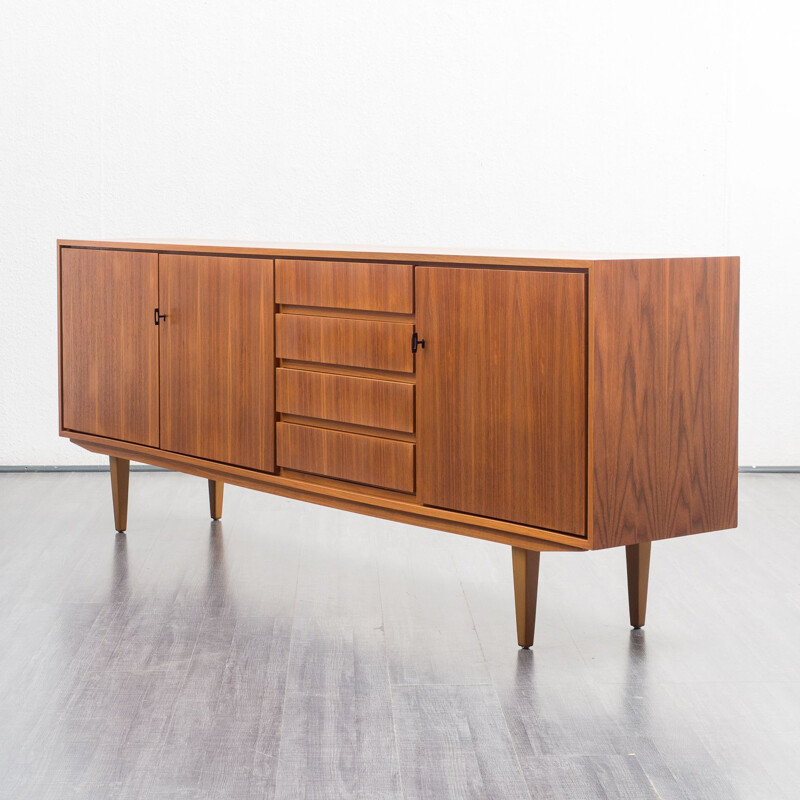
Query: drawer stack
[345, 379]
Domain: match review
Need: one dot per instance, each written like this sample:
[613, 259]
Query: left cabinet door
[217, 358]
[109, 344]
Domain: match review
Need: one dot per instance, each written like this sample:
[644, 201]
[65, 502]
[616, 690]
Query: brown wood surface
[470, 257]
[350, 342]
[637, 558]
[216, 490]
[343, 398]
[109, 344]
[120, 469]
[501, 409]
[662, 392]
[348, 427]
[350, 456]
[355, 372]
[525, 564]
[217, 367]
[665, 398]
[342, 284]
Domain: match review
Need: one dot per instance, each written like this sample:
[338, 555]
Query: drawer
[349, 342]
[349, 456]
[342, 398]
[345, 284]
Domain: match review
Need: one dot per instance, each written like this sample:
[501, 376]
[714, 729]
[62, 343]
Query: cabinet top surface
[362, 252]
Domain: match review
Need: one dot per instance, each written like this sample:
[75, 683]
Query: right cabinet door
[501, 408]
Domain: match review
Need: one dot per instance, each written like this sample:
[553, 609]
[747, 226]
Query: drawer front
[342, 398]
[349, 342]
[348, 456]
[342, 284]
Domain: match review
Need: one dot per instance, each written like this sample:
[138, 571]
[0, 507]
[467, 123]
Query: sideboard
[546, 402]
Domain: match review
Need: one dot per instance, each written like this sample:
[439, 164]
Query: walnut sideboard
[547, 403]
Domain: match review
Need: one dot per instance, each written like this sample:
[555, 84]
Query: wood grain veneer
[350, 342]
[502, 394]
[109, 345]
[217, 366]
[216, 492]
[120, 469]
[562, 403]
[342, 398]
[525, 569]
[665, 398]
[342, 284]
[637, 559]
[350, 456]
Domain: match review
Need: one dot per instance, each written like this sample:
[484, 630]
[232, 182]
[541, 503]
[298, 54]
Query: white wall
[648, 127]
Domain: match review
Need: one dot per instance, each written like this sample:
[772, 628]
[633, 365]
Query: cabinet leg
[120, 473]
[526, 585]
[215, 489]
[638, 558]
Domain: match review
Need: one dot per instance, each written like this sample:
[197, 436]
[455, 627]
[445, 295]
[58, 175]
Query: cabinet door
[217, 362]
[502, 394]
[109, 344]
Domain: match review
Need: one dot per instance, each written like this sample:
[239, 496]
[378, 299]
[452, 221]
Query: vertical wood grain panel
[109, 344]
[703, 392]
[501, 415]
[629, 400]
[342, 284]
[665, 398]
[217, 363]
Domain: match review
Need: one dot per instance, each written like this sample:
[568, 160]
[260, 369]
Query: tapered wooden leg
[638, 558]
[215, 489]
[526, 585]
[120, 473]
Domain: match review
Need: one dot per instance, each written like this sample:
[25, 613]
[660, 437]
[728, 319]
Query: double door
[170, 351]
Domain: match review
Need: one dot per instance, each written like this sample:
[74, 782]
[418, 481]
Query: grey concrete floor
[293, 651]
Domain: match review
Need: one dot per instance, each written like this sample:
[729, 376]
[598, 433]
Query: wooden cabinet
[544, 403]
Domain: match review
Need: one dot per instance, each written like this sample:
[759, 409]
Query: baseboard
[769, 469]
[76, 468]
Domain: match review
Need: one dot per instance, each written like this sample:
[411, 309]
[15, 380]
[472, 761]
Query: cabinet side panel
[703, 395]
[665, 398]
[109, 344]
